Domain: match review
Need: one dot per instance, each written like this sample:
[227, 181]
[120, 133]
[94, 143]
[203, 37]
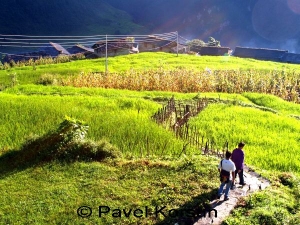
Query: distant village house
[151, 43]
[54, 50]
[260, 53]
[212, 50]
[80, 49]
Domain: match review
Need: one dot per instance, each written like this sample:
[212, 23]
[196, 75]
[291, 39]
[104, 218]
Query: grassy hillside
[131, 117]
[155, 169]
[130, 111]
[143, 62]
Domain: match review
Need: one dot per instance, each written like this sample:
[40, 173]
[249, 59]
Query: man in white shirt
[227, 172]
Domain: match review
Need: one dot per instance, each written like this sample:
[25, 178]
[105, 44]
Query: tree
[213, 42]
[195, 44]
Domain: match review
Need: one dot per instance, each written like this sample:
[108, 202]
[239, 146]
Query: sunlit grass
[126, 122]
[152, 171]
[52, 193]
[274, 102]
[114, 93]
[141, 62]
[123, 117]
[272, 141]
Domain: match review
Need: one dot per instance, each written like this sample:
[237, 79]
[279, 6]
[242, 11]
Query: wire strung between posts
[91, 36]
[43, 42]
[42, 39]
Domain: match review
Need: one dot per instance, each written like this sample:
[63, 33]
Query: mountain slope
[252, 23]
[64, 17]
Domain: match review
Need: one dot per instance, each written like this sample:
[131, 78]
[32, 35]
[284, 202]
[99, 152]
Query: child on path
[227, 173]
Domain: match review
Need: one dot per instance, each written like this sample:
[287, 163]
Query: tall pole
[177, 43]
[106, 55]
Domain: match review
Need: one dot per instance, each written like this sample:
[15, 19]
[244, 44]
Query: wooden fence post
[181, 127]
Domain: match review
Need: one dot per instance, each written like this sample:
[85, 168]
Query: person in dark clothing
[238, 158]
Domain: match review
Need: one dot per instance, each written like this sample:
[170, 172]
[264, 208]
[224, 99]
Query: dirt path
[254, 182]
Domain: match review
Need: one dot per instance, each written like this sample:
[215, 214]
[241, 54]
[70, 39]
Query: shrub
[12, 63]
[6, 66]
[269, 217]
[287, 179]
[14, 79]
[47, 79]
[91, 151]
[67, 144]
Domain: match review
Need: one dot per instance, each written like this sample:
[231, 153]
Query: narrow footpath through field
[254, 182]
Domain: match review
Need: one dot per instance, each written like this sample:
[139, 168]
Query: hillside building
[54, 50]
[80, 49]
[291, 58]
[260, 53]
[211, 50]
[127, 46]
[114, 47]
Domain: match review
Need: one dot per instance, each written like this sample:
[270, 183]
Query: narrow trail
[254, 183]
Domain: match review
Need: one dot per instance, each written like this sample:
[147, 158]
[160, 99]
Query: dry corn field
[280, 83]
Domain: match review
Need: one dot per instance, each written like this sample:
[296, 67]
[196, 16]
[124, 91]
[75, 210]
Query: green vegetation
[32, 18]
[142, 62]
[196, 44]
[273, 102]
[108, 117]
[273, 206]
[52, 193]
[272, 140]
[152, 167]
[67, 143]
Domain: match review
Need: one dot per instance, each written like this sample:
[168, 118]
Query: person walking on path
[238, 158]
[227, 173]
